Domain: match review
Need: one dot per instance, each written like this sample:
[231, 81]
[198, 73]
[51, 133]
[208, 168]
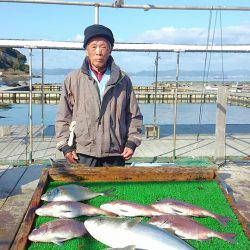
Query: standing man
[99, 122]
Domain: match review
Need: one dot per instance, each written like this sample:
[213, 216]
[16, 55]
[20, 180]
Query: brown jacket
[103, 128]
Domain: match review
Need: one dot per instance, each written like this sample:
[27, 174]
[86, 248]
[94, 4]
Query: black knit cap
[97, 30]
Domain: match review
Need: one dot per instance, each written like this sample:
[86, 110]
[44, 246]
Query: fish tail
[229, 237]
[222, 220]
[107, 192]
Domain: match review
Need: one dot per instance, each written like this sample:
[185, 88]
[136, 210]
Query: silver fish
[69, 209]
[120, 232]
[131, 247]
[127, 208]
[171, 206]
[73, 192]
[187, 228]
[58, 231]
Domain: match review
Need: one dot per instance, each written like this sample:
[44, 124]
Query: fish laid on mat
[131, 247]
[73, 192]
[187, 228]
[120, 232]
[58, 231]
[69, 209]
[127, 208]
[171, 206]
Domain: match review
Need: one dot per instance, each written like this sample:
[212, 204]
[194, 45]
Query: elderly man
[98, 122]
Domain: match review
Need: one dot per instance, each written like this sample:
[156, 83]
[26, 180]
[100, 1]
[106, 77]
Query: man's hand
[71, 157]
[127, 153]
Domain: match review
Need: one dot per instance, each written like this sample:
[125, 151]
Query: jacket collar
[115, 70]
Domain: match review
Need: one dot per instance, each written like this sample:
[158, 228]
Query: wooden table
[20, 194]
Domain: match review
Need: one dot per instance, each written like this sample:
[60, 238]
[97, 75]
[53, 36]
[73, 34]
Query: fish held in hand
[58, 231]
[127, 208]
[120, 232]
[171, 206]
[73, 192]
[69, 209]
[187, 228]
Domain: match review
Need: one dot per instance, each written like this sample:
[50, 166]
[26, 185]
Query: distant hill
[183, 73]
[191, 73]
[56, 71]
[12, 59]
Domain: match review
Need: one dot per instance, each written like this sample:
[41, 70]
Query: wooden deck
[17, 185]
[14, 147]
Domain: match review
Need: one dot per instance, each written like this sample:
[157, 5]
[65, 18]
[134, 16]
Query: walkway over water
[13, 148]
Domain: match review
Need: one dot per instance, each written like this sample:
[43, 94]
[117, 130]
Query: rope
[210, 55]
[203, 78]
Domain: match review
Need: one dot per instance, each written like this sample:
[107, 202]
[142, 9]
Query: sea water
[188, 116]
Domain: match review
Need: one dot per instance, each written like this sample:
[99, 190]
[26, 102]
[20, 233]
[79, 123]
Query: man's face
[98, 51]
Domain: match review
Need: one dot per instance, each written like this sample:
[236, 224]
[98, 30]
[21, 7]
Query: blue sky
[66, 23]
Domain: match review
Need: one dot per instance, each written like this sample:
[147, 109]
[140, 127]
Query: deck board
[17, 202]
[12, 215]
[8, 182]
[3, 169]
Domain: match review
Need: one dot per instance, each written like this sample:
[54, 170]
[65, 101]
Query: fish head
[50, 195]
[117, 207]
[98, 223]
[109, 207]
[38, 234]
[40, 211]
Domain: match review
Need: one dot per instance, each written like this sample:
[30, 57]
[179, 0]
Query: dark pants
[101, 162]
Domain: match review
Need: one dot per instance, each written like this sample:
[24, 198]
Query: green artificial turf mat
[206, 194]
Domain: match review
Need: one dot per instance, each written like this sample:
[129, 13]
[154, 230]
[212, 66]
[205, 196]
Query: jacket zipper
[100, 115]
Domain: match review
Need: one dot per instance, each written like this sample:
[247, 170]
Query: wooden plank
[41, 148]
[16, 205]
[80, 172]
[30, 179]
[3, 169]
[11, 216]
[16, 150]
[21, 239]
[17, 133]
[8, 182]
[244, 223]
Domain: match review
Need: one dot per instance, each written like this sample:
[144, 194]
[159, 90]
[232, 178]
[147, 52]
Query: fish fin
[223, 220]
[130, 247]
[229, 237]
[132, 222]
[107, 192]
[58, 241]
[176, 212]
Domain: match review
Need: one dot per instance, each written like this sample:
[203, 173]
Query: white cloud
[78, 38]
[170, 35]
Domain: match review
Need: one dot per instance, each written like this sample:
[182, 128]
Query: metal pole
[30, 111]
[156, 79]
[42, 97]
[139, 47]
[175, 104]
[97, 14]
[143, 7]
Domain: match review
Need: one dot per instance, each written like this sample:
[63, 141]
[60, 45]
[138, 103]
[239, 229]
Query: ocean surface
[136, 80]
[238, 118]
